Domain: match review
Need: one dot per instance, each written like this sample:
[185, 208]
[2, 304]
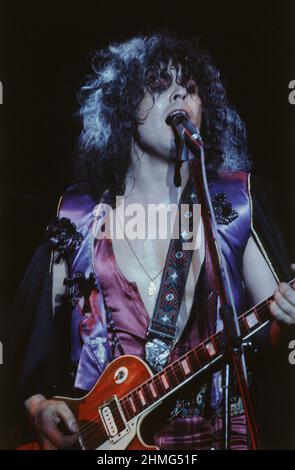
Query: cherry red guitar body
[111, 415]
[98, 413]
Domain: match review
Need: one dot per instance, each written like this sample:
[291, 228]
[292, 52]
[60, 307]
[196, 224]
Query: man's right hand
[46, 415]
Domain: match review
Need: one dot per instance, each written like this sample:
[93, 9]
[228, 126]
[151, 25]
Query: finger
[46, 444]
[48, 425]
[288, 292]
[65, 414]
[69, 441]
[56, 437]
[51, 431]
[279, 315]
[284, 303]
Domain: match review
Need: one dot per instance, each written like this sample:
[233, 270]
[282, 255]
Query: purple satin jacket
[89, 330]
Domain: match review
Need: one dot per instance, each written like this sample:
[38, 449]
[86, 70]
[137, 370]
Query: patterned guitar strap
[162, 331]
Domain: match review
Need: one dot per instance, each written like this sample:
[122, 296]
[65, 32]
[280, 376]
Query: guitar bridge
[113, 419]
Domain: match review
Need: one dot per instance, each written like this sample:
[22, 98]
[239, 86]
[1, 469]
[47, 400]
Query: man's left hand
[283, 306]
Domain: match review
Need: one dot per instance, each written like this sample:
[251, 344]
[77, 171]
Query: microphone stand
[234, 349]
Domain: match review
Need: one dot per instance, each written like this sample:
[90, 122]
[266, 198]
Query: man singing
[113, 285]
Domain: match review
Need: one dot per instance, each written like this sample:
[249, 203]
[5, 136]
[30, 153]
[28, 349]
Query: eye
[191, 86]
[158, 79]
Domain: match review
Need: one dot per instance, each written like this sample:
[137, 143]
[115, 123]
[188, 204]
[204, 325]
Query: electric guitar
[111, 415]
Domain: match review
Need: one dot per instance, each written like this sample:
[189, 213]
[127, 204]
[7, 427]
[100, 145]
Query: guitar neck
[191, 364]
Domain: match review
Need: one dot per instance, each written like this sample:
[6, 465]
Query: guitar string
[156, 379]
[174, 368]
[85, 429]
[177, 367]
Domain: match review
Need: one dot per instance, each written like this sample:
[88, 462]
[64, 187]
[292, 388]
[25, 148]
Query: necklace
[152, 288]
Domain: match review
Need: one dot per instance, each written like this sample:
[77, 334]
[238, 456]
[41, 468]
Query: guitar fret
[252, 320]
[125, 410]
[263, 316]
[193, 359]
[202, 354]
[133, 407]
[142, 397]
[147, 393]
[185, 367]
[261, 312]
[178, 371]
[164, 380]
[153, 390]
[128, 406]
[210, 348]
[171, 373]
[159, 386]
[218, 342]
[188, 364]
[243, 327]
[137, 400]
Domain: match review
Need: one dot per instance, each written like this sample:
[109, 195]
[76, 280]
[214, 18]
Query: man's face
[154, 135]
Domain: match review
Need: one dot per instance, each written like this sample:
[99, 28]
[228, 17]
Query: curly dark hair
[110, 96]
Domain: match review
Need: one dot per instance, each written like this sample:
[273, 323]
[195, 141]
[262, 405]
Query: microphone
[185, 128]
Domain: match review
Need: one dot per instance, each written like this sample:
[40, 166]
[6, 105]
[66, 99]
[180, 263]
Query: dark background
[43, 60]
[43, 50]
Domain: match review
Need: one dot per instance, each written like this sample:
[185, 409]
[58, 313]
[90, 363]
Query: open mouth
[176, 114]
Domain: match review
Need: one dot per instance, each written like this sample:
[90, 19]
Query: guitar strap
[162, 331]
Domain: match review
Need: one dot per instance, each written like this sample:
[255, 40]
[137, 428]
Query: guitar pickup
[113, 419]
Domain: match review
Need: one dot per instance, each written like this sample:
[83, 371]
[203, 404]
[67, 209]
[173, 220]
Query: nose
[178, 93]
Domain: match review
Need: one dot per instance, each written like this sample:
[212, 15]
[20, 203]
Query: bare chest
[142, 262]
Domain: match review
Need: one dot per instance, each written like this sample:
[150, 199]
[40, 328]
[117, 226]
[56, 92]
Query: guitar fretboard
[190, 364]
